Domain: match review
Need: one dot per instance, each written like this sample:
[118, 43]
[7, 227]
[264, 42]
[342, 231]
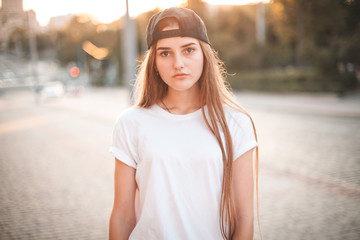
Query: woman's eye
[190, 50]
[164, 54]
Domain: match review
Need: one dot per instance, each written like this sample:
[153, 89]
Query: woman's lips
[180, 75]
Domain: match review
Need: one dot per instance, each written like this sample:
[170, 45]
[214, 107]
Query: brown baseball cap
[190, 25]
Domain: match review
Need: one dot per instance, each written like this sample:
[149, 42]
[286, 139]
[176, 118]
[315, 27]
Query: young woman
[184, 152]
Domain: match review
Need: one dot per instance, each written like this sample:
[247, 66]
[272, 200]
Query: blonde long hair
[214, 92]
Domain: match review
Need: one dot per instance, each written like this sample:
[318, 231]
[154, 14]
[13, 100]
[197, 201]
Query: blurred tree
[141, 23]
[18, 40]
[103, 47]
[319, 38]
[320, 34]
[45, 42]
[233, 34]
[79, 29]
[199, 7]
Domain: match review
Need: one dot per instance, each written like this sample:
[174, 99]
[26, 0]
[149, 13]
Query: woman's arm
[123, 219]
[243, 187]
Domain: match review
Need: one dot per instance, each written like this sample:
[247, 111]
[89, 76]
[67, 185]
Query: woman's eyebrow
[188, 44]
[163, 48]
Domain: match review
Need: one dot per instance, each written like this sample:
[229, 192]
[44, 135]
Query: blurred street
[57, 175]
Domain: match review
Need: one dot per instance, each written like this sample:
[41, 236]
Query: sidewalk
[58, 174]
[317, 104]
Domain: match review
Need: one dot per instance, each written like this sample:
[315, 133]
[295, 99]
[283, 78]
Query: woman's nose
[178, 61]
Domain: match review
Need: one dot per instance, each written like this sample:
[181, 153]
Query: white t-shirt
[179, 170]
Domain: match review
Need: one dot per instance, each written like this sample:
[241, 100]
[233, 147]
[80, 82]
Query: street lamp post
[129, 50]
[260, 23]
[33, 55]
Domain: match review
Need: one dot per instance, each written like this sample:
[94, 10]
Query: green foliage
[71, 38]
[310, 45]
[320, 35]
[19, 39]
[283, 80]
[326, 38]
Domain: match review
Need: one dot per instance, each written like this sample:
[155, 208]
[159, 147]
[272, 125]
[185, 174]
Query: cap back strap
[167, 34]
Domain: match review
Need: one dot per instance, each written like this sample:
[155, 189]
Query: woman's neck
[185, 102]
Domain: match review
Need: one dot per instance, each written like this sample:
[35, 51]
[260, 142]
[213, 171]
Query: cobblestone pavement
[57, 176]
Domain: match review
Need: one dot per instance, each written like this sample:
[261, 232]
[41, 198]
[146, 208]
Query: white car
[52, 90]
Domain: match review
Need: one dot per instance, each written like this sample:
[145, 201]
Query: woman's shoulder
[237, 118]
[132, 114]
[236, 113]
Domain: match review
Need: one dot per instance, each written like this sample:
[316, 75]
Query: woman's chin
[182, 86]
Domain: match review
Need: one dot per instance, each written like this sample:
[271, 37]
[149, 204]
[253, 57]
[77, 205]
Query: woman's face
[179, 61]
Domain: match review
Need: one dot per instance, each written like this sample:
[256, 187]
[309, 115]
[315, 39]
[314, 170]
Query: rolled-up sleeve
[123, 142]
[242, 132]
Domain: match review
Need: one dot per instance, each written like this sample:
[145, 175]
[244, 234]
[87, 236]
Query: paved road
[57, 176]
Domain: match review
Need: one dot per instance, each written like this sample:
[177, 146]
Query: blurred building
[13, 19]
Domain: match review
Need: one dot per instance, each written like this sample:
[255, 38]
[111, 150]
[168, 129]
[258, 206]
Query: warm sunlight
[107, 10]
[234, 2]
